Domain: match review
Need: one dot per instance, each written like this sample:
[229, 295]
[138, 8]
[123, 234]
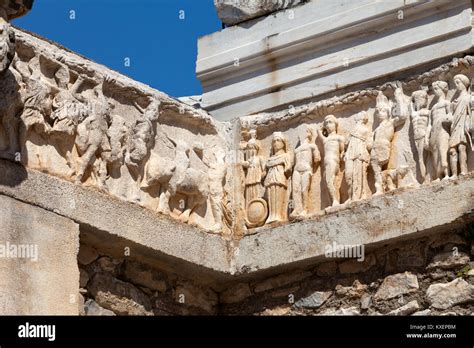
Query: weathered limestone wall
[426, 276]
[38, 261]
[432, 275]
[124, 286]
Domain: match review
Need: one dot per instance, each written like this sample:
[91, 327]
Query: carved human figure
[254, 168]
[139, 143]
[460, 126]
[67, 103]
[333, 152]
[117, 134]
[7, 45]
[307, 158]
[400, 177]
[420, 115]
[278, 167]
[159, 170]
[37, 105]
[68, 110]
[217, 169]
[357, 157]
[92, 142]
[383, 136]
[438, 135]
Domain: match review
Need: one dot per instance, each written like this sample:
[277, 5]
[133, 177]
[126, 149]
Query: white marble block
[323, 46]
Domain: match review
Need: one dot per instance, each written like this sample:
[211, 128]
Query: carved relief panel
[335, 152]
[78, 122]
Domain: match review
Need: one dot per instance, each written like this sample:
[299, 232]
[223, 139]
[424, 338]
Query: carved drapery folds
[399, 136]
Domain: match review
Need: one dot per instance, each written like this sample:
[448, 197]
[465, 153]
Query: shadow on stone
[13, 174]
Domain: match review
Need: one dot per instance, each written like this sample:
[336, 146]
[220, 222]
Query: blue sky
[162, 47]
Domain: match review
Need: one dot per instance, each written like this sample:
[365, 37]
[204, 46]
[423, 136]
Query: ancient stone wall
[427, 276]
[112, 286]
[424, 276]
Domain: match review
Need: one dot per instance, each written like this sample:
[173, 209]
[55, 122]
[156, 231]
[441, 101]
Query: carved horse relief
[178, 176]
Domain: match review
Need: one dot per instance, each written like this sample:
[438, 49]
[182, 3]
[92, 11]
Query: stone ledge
[102, 212]
[395, 216]
[390, 218]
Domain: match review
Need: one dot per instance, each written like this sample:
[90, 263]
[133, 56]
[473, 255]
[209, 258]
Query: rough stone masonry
[351, 129]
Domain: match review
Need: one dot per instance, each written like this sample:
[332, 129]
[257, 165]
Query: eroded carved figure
[37, 104]
[460, 136]
[217, 169]
[54, 108]
[188, 180]
[140, 138]
[357, 157]
[117, 134]
[401, 177]
[307, 158]
[383, 136]
[92, 143]
[420, 115]
[438, 143]
[254, 167]
[278, 167]
[12, 92]
[7, 45]
[333, 144]
[68, 111]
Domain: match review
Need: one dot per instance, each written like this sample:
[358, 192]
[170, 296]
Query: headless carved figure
[140, 143]
[91, 141]
[12, 88]
[357, 157]
[68, 112]
[383, 136]
[189, 181]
